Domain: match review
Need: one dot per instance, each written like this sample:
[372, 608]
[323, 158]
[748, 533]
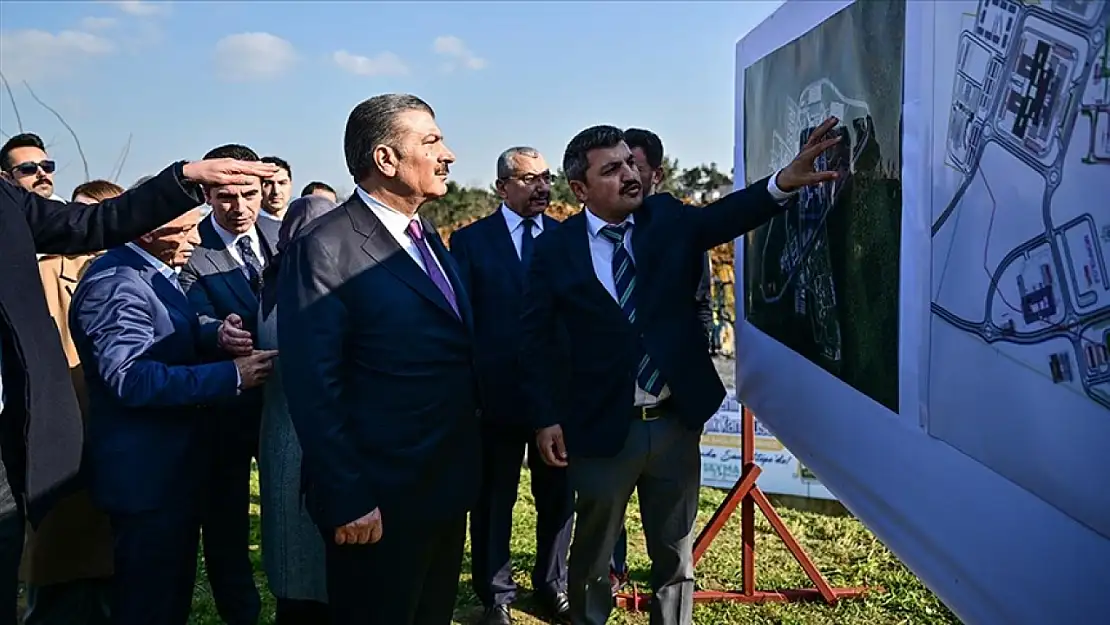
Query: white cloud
[32, 54]
[457, 53]
[253, 56]
[382, 64]
[98, 23]
[139, 8]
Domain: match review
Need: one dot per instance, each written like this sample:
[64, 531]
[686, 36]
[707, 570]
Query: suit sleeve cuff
[778, 194]
[190, 188]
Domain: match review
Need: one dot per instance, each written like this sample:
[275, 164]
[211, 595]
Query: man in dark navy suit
[222, 281]
[376, 333]
[493, 254]
[144, 350]
[620, 278]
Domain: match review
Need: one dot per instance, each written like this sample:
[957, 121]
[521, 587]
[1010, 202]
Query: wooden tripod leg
[799, 554]
[735, 496]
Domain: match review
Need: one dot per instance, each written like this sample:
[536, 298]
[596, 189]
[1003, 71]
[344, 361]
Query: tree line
[463, 204]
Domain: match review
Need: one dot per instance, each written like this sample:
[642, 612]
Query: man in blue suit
[620, 277]
[143, 350]
[493, 255]
[376, 335]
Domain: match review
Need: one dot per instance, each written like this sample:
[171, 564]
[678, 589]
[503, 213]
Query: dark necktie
[416, 233]
[527, 241]
[251, 263]
[648, 376]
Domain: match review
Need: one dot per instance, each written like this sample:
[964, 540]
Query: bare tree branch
[51, 143]
[4, 134]
[122, 159]
[11, 98]
[63, 121]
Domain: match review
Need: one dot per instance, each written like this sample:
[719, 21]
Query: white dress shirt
[397, 223]
[168, 272]
[601, 253]
[516, 226]
[231, 240]
[262, 214]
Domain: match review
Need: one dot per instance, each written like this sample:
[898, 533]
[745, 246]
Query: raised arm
[65, 228]
[113, 312]
[742, 211]
[312, 327]
[75, 228]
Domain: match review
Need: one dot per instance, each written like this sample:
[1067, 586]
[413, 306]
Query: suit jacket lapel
[645, 265]
[225, 265]
[462, 298]
[581, 260]
[383, 248]
[501, 241]
[163, 288]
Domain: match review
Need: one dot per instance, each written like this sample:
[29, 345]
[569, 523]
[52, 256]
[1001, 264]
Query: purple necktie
[416, 233]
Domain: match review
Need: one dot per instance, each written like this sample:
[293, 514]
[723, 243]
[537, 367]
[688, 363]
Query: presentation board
[929, 334]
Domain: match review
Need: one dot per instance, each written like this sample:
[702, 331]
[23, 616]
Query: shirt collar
[229, 238]
[262, 214]
[594, 224]
[394, 220]
[164, 269]
[513, 221]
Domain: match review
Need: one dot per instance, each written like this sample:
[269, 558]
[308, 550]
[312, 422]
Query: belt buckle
[644, 416]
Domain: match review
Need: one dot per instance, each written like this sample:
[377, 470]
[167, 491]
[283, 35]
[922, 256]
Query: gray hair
[576, 158]
[505, 163]
[141, 181]
[373, 123]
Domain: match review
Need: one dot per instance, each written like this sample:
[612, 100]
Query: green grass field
[842, 548]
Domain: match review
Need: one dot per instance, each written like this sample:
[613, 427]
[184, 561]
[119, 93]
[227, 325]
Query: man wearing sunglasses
[24, 162]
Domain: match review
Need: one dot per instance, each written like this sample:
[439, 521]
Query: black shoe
[556, 605]
[496, 615]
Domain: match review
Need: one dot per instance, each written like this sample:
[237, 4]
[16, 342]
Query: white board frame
[993, 552]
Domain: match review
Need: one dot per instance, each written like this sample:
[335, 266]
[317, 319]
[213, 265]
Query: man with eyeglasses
[23, 161]
[493, 254]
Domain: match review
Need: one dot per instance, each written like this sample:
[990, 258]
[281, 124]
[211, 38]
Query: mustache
[631, 186]
[541, 195]
[443, 170]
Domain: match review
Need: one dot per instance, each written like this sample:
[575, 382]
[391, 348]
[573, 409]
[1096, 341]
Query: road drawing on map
[1029, 134]
[803, 260]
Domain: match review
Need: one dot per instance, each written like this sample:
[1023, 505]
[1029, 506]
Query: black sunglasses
[29, 168]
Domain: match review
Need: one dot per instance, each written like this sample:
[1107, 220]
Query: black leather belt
[650, 413]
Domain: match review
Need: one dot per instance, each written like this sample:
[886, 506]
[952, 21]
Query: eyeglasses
[29, 168]
[531, 179]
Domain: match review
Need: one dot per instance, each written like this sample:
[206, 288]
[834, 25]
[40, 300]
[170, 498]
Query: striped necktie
[648, 376]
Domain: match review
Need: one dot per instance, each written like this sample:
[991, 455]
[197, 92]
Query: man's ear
[656, 177]
[579, 189]
[499, 186]
[6, 176]
[387, 160]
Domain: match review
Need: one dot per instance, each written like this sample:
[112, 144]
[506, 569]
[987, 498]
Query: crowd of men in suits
[414, 378]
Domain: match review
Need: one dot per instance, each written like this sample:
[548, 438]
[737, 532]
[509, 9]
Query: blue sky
[282, 77]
